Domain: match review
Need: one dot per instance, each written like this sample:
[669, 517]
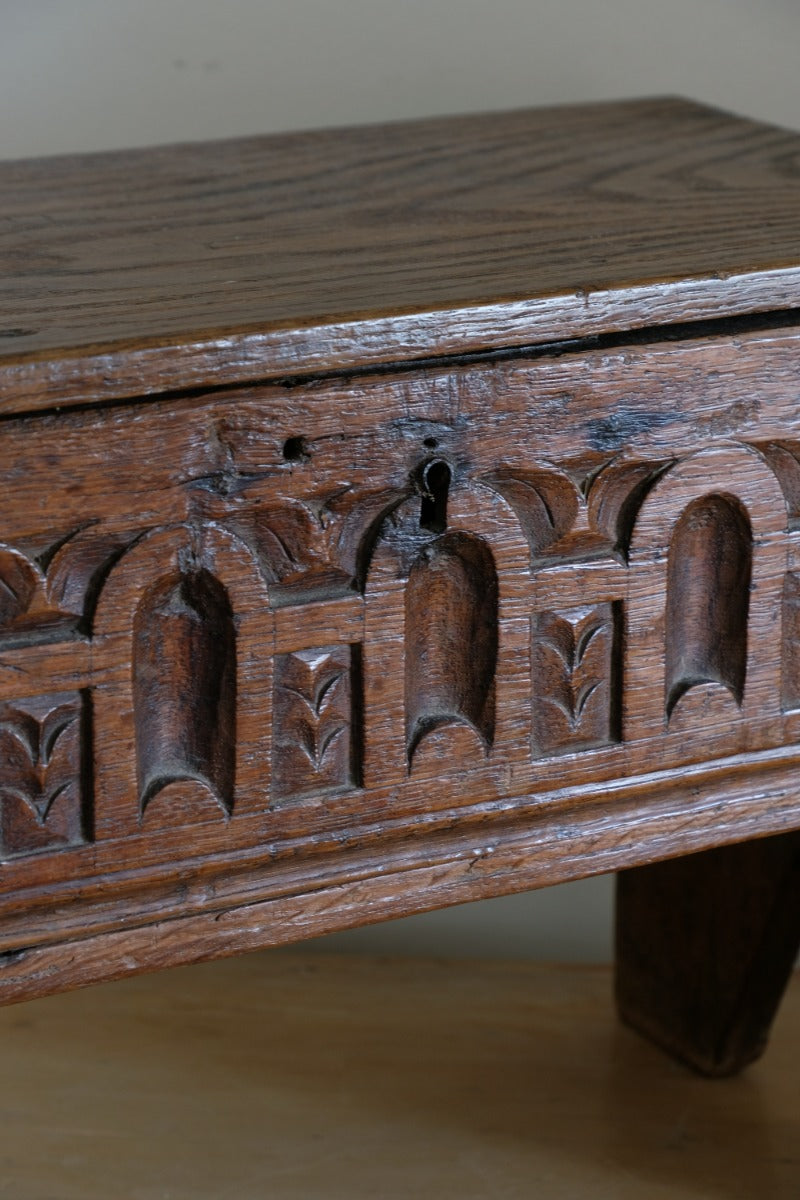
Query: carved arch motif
[174, 728]
[708, 598]
[708, 558]
[184, 687]
[437, 573]
[451, 625]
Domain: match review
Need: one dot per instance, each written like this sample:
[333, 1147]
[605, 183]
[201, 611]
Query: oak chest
[399, 516]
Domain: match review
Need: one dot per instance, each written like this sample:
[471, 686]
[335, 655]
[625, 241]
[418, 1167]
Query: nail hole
[431, 443]
[295, 449]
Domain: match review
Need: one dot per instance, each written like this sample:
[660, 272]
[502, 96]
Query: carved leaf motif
[575, 514]
[312, 720]
[575, 704]
[361, 515]
[40, 786]
[19, 580]
[321, 545]
[78, 568]
[546, 504]
[615, 496]
[46, 586]
[288, 541]
[317, 735]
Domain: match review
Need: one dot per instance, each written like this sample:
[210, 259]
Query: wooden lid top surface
[134, 272]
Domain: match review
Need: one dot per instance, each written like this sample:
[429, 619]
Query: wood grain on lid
[134, 272]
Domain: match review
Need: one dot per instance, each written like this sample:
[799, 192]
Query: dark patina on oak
[395, 517]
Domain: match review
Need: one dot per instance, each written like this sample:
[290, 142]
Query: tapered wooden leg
[705, 947]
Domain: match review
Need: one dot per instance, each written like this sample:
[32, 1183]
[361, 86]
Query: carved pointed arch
[184, 687]
[188, 610]
[451, 639]
[709, 553]
[708, 598]
[472, 507]
[460, 595]
[729, 468]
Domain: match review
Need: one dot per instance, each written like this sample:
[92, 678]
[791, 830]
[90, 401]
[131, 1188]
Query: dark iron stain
[625, 425]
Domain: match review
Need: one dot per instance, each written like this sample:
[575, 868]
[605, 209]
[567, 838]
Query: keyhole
[436, 478]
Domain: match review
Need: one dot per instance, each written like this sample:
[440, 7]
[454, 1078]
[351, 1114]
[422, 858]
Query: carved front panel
[303, 616]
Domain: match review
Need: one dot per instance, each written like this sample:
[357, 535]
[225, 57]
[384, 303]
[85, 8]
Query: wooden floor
[291, 1075]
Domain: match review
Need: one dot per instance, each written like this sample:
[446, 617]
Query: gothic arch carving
[438, 571]
[184, 687]
[191, 701]
[451, 639]
[708, 598]
[708, 557]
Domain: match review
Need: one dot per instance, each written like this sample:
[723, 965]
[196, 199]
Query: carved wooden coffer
[390, 517]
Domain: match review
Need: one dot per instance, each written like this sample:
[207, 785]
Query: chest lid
[136, 272]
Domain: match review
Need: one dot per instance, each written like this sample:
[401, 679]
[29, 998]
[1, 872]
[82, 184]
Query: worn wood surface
[705, 947]
[249, 660]
[340, 1077]
[280, 658]
[180, 267]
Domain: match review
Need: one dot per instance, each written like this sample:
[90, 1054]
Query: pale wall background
[97, 74]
